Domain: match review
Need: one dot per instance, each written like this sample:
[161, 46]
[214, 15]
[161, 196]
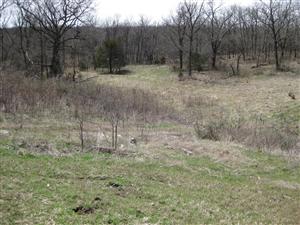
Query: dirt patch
[94, 178]
[115, 185]
[84, 210]
[287, 185]
[40, 147]
[4, 133]
[224, 152]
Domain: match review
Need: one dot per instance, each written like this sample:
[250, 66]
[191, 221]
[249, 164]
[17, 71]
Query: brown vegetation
[84, 102]
[258, 132]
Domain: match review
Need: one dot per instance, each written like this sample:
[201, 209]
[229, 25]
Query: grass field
[136, 190]
[269, 89]
[170, 176]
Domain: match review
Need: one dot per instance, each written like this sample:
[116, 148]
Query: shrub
[198, 61]
[257, 132]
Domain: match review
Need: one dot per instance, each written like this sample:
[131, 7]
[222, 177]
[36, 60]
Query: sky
[154, 10]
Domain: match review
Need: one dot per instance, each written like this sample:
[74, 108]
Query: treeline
[54, 37]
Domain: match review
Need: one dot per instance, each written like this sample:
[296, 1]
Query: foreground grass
[135, 190]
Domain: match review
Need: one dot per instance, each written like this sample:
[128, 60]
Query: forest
[43, 39]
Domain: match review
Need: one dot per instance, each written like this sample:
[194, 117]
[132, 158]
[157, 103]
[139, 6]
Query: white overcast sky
[152, 9]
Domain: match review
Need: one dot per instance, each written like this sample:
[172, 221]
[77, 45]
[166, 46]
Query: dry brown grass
[155, 91]
[258, 93]
[258, 132]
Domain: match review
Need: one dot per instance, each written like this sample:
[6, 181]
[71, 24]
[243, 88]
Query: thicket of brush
[257, 131]
[35, 97]
[87, 101]
[79, 101]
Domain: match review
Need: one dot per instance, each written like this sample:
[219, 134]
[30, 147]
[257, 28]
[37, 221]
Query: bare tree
[294, 43]
[25, 39]
[3, 22]
[126, 31]
[177, 28]
[112, 28]
[3, 5]
[55, 18]
[275, 15]
[218, 28]
[194, 20]
[140, 41]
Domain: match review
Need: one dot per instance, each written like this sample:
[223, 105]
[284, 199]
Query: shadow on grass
[121, 72]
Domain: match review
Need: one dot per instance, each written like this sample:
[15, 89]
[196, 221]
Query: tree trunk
[42, 55]
[64, 55]
[26, 63]
[276, 54]
[180, 60]
[116, 136]
[190, 56]
[214, 59]
[56, 67]
[81, 134]
[180, 52]
[238, 65]
[113, 135]
[110, 64]
[2, 46]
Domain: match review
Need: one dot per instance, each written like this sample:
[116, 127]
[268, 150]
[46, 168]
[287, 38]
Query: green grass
[40, 189]
[288, 113]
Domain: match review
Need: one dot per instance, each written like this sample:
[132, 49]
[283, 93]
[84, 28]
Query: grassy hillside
[171, 176]
[107, 189]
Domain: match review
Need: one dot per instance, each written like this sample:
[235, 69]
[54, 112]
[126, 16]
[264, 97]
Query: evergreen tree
[110, 55]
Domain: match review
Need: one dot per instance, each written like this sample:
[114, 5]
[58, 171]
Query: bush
[160, 61]
[198, 61]
[257, 132]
